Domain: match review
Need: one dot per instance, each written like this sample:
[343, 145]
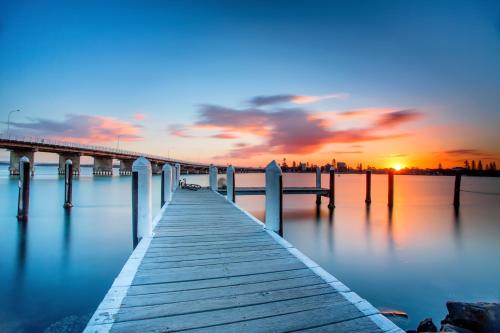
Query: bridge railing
[69, 144]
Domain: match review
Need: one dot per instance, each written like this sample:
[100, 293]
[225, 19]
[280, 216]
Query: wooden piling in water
[390, 199]
[23, 201]
[368, 198]
[331, 193]
[213, 177]
[318, 184]
[141, 185]
[456, 194]
[68, 184]
[135, 197]
[231, 193]
[166, 184]
[274, 198]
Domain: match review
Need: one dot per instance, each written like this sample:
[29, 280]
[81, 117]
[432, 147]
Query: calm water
[56, 268]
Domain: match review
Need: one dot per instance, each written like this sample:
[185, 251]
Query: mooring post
[274, 198]
[166, 184]
[213, 177]
[68, 184]
[142, 215]
[318, 184]
[331, 193]
[230, 184]
[368, 198]
[23, 201]
[390, 199]
[456, 196]
[177, 174]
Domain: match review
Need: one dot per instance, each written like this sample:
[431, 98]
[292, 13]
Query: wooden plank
[207, 319]
[219, 282]
[231, 290]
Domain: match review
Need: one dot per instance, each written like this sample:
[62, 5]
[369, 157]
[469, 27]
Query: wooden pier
[209, 266]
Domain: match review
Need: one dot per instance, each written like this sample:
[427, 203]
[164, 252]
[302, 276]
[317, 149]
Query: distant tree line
[471, 168]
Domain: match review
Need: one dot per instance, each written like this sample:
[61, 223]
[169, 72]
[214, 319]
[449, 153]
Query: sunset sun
[398, 166]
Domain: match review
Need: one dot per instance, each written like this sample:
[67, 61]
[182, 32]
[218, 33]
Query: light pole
[8, 119]
[118, 142]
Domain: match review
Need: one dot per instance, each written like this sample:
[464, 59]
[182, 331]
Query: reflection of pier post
[22, 230]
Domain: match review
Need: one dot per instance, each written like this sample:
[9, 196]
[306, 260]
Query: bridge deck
[211, 267]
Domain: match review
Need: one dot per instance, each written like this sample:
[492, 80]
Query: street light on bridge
[8, 119]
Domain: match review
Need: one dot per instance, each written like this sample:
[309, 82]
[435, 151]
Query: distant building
[302, 167]
[341, 167]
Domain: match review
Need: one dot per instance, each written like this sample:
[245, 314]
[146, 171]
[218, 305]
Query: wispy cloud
[180, 131]
[392, 119]
[80, 128]
[139, 116]
[469, 152]
[264, 100]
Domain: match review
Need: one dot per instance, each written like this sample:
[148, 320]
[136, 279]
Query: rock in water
[454, 329]
[481, 317]
[426, 325]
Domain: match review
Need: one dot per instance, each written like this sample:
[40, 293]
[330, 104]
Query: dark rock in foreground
[454, 329]
[478, 317]
[426, 325]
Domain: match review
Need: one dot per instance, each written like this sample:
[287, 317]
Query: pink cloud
[295, 131]
[139, 116]
[81, 128]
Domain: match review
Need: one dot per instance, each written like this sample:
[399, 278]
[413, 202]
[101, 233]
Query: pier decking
[211, 267]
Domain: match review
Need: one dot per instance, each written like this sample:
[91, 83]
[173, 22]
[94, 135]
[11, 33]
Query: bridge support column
[15, 157]
[103, 166]
[156, 168]
[126, 167]
[75, 160]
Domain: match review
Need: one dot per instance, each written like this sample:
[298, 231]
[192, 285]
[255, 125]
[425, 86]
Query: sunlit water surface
[56, 268]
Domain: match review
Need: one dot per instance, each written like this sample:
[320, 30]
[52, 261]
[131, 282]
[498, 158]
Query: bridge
[203, 264]
[103, 156]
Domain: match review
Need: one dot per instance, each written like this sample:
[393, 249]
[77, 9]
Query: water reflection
[22, 247]
[66, 235]
[390, 230]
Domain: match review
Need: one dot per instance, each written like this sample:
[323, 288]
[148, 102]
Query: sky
[415, 83]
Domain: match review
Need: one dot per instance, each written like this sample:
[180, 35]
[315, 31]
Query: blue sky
[163, 59]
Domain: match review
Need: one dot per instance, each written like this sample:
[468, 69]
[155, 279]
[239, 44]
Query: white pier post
[318, 184]
[23, 201]
[142, 207]
[177, 174]
[274, 198]
[231, 195]
[166, 184]
[68, 184]
[213, 177]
